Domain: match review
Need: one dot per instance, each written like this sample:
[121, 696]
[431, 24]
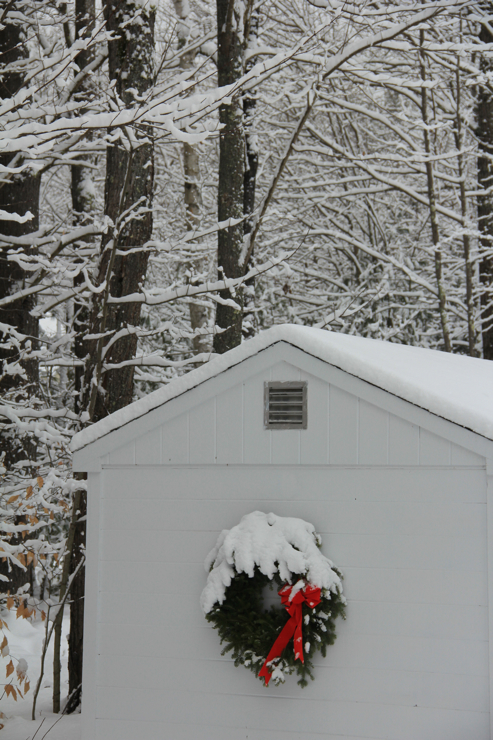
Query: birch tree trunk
[199, 314]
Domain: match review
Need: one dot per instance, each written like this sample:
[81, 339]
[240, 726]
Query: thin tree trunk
[76, 634]
[48, 633]
[466, 239]
[435, 233]
[231, 170]
[63, 588]
[82, 190]
[199, 313]
[484, 133]
[82, 186]
[249, 183]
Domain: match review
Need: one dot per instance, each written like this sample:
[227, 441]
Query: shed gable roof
[454, 387]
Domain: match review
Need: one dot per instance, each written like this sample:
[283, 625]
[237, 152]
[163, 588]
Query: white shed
[394, 469]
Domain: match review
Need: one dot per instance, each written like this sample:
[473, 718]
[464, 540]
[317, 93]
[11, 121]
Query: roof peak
[455, 387]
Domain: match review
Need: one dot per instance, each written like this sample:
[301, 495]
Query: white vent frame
[286, 386]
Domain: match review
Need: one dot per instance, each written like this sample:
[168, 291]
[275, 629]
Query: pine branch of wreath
[248, 631]
[273, 642]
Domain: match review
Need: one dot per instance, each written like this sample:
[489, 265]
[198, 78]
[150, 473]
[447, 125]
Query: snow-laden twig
[48, 634]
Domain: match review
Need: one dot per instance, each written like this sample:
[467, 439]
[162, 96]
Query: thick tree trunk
[129, 184]
[231, 170]
[485, 202]
[19, 195]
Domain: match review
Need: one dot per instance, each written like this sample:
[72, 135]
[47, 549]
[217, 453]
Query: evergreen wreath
[266, 551]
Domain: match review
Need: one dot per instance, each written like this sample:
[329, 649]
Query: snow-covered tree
[328, 148]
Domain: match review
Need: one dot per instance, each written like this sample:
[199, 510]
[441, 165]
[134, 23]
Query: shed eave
[88, 457]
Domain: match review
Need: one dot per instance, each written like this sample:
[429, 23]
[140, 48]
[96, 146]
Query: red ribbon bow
[311, 596]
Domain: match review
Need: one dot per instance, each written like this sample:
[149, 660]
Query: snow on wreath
[262, 551]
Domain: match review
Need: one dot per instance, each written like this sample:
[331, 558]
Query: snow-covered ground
[25, 641]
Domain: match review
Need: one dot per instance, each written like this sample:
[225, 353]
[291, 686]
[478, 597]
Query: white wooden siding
[410, 662]
[342, 430]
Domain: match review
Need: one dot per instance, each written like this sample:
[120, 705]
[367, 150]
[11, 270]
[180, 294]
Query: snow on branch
[6, 216]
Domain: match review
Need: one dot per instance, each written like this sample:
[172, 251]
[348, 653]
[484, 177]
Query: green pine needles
[248, 629]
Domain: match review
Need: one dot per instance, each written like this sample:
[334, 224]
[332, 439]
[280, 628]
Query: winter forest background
[177, 176]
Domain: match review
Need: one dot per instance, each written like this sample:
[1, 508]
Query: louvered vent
[285, 405]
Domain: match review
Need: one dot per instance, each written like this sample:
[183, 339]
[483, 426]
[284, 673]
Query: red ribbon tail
[294, 627]
[277, 648]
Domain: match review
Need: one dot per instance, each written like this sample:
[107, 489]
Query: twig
[48, 638]
[336, 62]
[52, 726]
[40, 726]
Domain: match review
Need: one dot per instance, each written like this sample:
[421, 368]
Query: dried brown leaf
[9, 690]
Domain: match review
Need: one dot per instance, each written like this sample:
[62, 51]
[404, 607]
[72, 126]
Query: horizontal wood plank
[260, 711]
